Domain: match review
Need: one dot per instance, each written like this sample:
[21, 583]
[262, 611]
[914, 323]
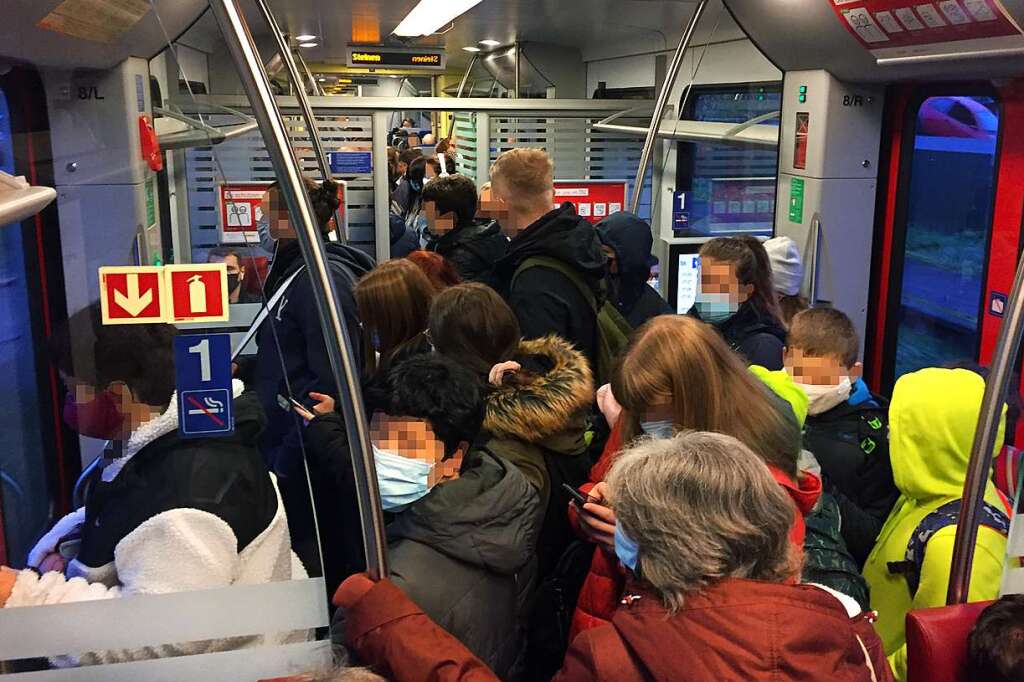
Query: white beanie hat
[787, 268]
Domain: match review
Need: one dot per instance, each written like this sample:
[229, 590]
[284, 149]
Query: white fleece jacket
[175, 551]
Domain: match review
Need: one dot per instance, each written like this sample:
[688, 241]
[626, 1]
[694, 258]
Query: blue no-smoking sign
[202, 364]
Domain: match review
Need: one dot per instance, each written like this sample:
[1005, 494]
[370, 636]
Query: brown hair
[683, 361]
[748, 256]
[473, 323]
[524, 173]
[825, 332]
[438, 269]
[393, 300]
[790, 307]
[323, 196]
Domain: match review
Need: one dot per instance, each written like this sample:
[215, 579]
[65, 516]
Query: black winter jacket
[473, 250]
[631, 240]
[850, 441]
[403, 239]
[545, 301]
[758, 339]
[465, 555]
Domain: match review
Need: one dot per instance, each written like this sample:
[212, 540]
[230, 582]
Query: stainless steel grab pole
[662, 102]
[343, 366]
[980, 467]
[307, 110]
[465, 76]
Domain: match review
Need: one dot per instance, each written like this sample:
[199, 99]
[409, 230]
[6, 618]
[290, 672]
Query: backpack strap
[946, 515]
[264, 312]
[561, 268]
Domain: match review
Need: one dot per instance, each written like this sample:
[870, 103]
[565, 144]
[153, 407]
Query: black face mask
[233, 282]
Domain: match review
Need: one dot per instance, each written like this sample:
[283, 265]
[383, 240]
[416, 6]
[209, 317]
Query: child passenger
[995, 647]
[847, 426]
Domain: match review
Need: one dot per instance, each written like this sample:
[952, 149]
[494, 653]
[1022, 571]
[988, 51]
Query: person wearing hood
[737, 298]
[464, 522]
[450, 204]
[545, 245]
[536, 409]
[403, 239]
[787, 276]
[407, 200]
[168, 514]
[703, 533]
[932, 420]
[847, 428]
[292, 359]
[627, 241]
[677, 374]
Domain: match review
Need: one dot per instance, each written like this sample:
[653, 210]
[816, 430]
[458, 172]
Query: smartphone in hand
[578, 498]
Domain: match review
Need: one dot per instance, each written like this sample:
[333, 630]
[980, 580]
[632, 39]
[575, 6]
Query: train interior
[886, 146]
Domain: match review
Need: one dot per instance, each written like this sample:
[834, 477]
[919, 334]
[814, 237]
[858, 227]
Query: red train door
[949, 228]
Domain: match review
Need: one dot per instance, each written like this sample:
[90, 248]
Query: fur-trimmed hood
[549, 404]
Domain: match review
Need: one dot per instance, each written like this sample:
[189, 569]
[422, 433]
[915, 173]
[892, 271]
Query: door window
[950, 188]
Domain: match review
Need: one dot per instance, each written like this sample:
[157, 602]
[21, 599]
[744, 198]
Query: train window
[731, 189]
[950, 189]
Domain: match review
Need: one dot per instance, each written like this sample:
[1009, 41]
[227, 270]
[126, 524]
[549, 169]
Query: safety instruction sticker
[171, 293]
[896, 28]
[202, 367]
[796, 200]
[101, 21]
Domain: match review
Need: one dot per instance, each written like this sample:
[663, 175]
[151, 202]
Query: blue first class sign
[202, 364]
[351, 163]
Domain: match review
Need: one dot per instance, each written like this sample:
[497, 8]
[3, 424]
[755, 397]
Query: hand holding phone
[578, 498]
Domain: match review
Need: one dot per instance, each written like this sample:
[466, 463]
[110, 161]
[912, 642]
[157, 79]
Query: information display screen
[684, 277]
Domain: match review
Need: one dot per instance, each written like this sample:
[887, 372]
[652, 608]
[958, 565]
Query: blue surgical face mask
[716, 308]
[663, 428]
[401, 480]
[267, 243]
[625, 548]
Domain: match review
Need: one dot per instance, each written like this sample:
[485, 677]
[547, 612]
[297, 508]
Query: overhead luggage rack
[201, 134]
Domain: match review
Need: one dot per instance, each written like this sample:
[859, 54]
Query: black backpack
[946, 515]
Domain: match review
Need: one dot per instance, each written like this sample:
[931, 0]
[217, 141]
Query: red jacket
[606, 580]
[733, 630]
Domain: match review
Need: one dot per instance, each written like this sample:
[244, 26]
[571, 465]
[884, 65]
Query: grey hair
[701, 506]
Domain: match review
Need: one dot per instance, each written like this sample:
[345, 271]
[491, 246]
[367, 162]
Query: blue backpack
[946, 515]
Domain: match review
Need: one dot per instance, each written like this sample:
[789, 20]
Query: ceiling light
[322, 80]
[490, 43]
[470, 48]
[430, 15]
[305, 38]
[308, 44]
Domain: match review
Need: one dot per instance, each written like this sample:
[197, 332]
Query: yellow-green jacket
[932, 419]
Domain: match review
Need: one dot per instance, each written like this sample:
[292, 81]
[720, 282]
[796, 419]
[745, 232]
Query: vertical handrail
[307, 109]
[812, 289]
[518, 74]
[989, 419]
[339, 350]
[659, 107]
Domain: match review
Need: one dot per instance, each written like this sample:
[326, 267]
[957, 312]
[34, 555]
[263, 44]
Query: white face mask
[821, 399]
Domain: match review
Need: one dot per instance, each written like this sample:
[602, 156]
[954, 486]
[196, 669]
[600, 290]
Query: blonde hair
[701, 507]
[393, 301]
[525, 175]
[682, 361]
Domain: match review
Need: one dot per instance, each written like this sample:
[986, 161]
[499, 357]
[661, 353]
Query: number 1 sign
[202, 364]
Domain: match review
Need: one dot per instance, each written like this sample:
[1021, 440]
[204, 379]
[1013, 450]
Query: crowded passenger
[292, 359]
[627, 242]
[403, 238]
[678, 374]
[434, 170]
[787, 276]
[464, 525]
[847, 426]
[438, 269]
[238, 292]
[168, 514]
[553, 274]
[737, 297]
[703, 531]
[932, 420]
[407, 200]
[536, 410]
[394, 302]
[450, 204]
[995, 647]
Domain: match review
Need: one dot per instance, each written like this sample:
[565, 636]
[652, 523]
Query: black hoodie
[473, 250]
[758, 338]
[544, 300]
[631, 240]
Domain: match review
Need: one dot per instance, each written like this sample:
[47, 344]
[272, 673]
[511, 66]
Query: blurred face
[438, 224]
[274, 208]
[816, 370]
[111, 413]
[718, 277]
[415, 439]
